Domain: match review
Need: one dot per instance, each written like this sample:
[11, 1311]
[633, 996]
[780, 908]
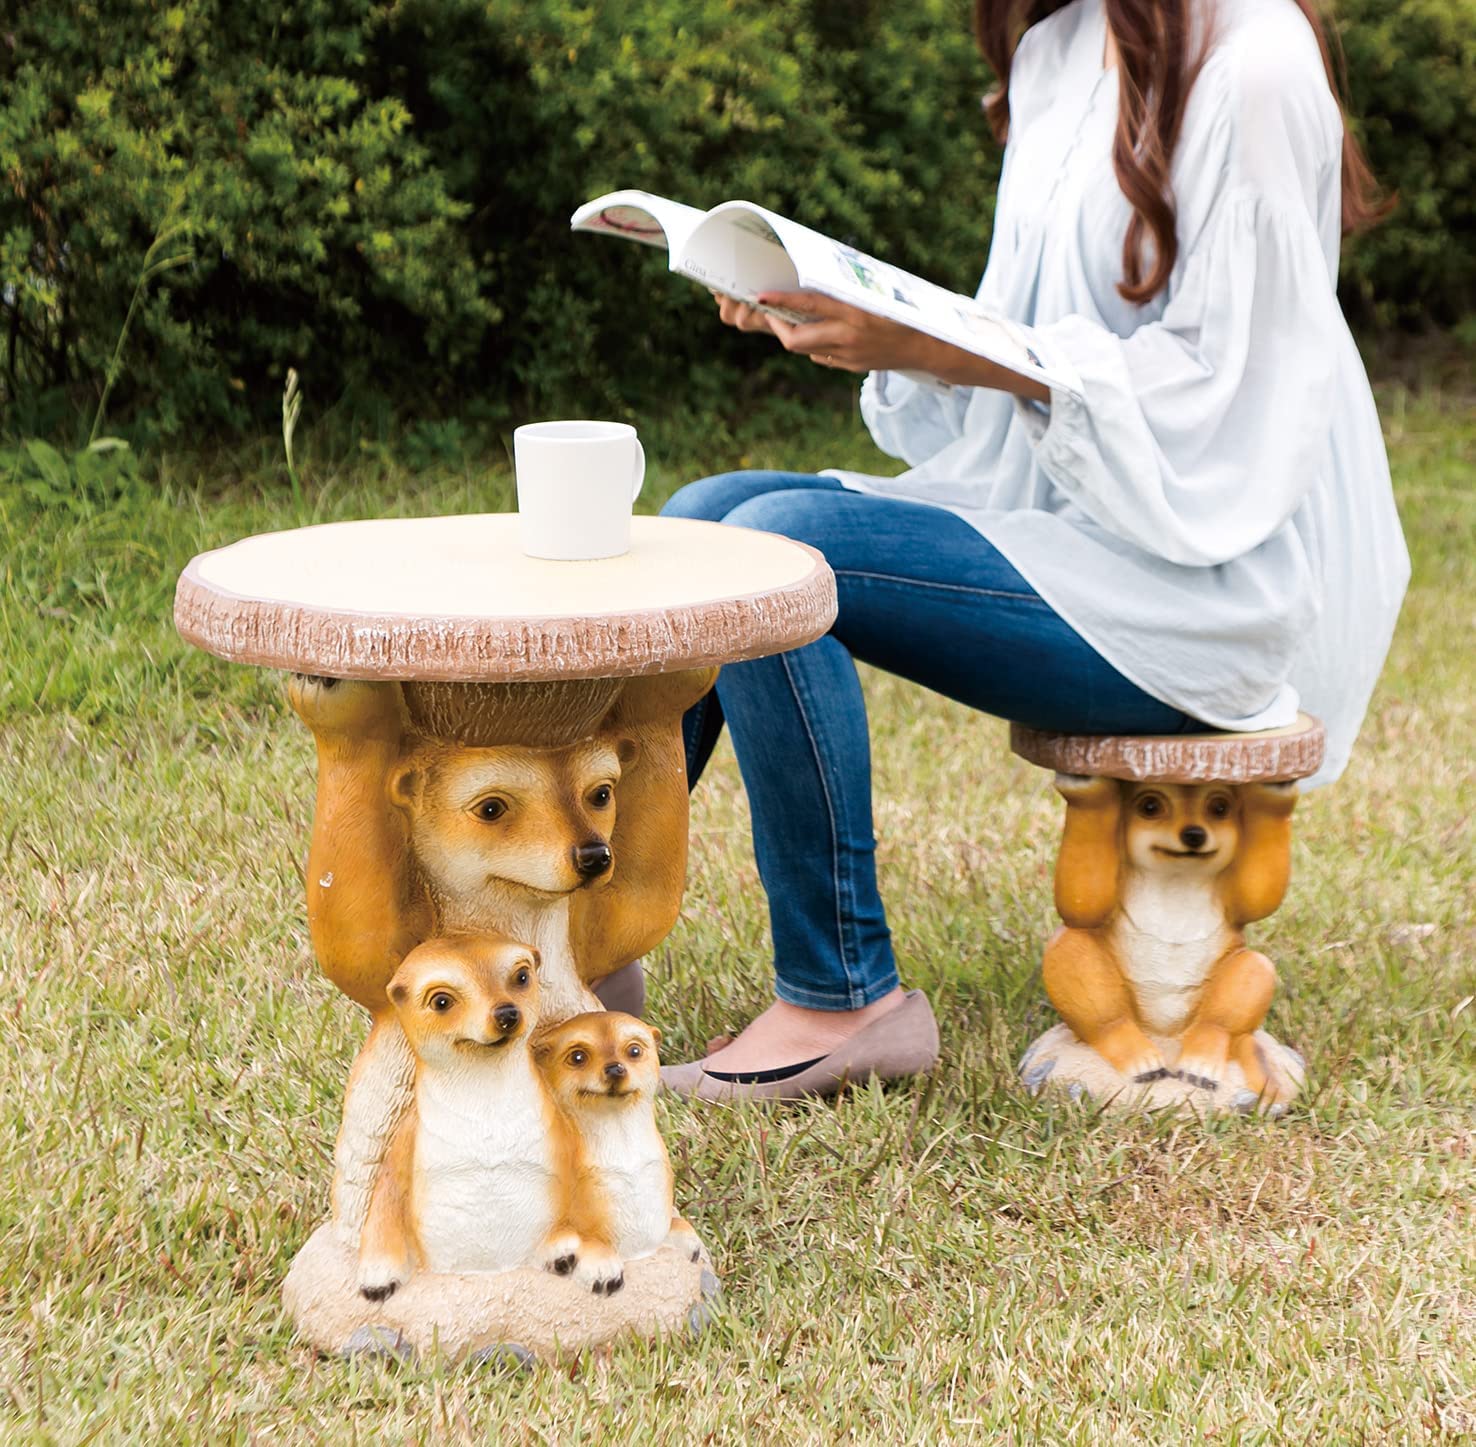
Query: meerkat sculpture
[436, 815]
[603, 1072]
[478, 1173]
[1155, 883]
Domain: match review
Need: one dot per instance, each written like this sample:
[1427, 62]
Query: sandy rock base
[507, 1319]
[1059, 1061]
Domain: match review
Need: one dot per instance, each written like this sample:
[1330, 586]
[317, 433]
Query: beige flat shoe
[903, 1042]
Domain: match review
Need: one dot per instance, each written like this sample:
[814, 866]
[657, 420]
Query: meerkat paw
[380, 1278]
[1204, 1053]
[1202, 1069]
[343, 705]
[1086, 788]
[1131, 1053]
[600, 1270]
[560, 1253]
[684, 1239]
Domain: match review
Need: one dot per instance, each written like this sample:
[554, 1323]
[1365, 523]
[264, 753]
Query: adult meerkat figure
[478, 1173]
[1155, 883]
[603, 1071]
[440, 808]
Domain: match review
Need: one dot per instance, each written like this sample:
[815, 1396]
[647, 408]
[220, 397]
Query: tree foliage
[377, 191]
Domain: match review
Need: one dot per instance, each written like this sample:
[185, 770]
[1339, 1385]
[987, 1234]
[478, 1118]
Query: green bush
[1412, 78]
[377, 191]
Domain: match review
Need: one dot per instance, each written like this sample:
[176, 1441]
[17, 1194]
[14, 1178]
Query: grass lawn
[908, 1265]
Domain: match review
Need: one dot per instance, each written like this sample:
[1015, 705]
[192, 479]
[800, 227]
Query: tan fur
[1154, 937]
[365, 909]
[603, 1071]
[450, 996]
[639, 907]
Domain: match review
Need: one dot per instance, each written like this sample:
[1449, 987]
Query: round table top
[1269, 756]
[455, 599]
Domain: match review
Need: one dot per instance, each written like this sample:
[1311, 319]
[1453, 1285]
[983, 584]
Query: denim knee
[793, 513]
[709, 498]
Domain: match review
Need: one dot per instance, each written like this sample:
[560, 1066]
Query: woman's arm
[851, 340]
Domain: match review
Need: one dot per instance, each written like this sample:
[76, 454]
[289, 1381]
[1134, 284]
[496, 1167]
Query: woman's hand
[845, 337]
[851, 340]
[739, 314]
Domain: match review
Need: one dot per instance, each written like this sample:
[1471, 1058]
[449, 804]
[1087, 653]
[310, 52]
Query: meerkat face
[1185, 827]
[539, 818]
[599, 1057]
[466, 998]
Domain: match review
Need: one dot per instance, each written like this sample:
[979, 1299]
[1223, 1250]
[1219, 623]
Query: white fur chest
[544, 924]
[484, 1196]
[627, 1153]
[1168, 935]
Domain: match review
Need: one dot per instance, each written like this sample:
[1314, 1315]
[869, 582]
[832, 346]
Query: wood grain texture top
[454, 599]
[1275, 755]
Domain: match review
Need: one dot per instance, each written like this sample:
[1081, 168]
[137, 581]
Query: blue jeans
[921, 594]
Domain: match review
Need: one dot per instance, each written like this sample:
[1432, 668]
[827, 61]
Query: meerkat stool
[1172, 846]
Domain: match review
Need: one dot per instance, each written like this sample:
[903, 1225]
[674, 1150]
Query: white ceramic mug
[577, 482]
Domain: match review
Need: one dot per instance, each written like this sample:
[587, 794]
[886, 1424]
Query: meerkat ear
[534, 958]
[406, 784]
[542, 1048]
[627, 750]
[399, 991]
[655, 1033]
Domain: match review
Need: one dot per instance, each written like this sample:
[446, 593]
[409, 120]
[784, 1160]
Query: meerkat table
[501, 783]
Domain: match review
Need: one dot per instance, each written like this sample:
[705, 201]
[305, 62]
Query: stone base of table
[1058, 1062]
[509, 1318]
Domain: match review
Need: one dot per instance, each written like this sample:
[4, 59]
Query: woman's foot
[822, 1052]
[786, 1035]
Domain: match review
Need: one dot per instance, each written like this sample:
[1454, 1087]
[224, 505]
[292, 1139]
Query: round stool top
[454, 599]
[1276, 755]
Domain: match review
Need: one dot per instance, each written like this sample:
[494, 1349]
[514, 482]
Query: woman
[1206, 538]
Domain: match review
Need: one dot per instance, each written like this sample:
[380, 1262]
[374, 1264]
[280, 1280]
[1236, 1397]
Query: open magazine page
[842, 272]
[736, 250]
[744, 250]
[639, 216]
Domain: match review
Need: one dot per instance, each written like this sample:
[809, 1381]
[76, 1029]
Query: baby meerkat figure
[476, 1177]
[603, 1071]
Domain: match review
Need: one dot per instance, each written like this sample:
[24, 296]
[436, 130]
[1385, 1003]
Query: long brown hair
[1159, 53]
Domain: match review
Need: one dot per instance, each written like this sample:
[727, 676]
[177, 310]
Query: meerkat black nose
[593, 858]
[615, 1070]
[1192, 836]
[507, 1017]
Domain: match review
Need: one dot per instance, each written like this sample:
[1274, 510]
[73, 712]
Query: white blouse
[1214, 516]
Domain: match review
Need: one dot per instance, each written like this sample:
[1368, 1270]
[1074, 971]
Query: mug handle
[640, 470]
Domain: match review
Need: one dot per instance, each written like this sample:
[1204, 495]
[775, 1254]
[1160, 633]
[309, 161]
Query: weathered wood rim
[1275, 755]
[346, 643]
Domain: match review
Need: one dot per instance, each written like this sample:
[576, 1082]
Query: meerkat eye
[440, 1002]
[577, 1057]
[1150, 806]
[521, 977]
[1218, 807]
[490, 809]
[634, 1052]
[601, 797]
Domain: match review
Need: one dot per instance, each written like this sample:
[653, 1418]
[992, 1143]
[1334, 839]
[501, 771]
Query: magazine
[742, 251]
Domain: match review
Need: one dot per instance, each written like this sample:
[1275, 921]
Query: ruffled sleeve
[910, 418]
[1196, 437]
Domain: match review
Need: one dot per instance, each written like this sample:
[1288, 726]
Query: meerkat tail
[381, 1086]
